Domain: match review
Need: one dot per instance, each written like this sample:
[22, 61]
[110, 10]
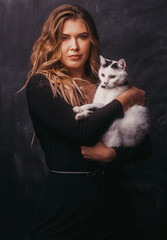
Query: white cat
[129, 130]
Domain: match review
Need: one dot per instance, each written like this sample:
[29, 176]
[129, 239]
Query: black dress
[74, 207]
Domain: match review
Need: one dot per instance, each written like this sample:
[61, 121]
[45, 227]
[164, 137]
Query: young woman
[82, 198]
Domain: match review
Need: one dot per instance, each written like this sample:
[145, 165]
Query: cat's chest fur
[105, 96]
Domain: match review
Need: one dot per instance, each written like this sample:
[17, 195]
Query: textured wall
[133, 30]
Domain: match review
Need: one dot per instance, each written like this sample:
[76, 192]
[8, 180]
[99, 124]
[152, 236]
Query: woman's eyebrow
[66, 34]
[83, 33]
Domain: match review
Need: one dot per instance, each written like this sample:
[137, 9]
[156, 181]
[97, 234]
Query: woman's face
[75, 46]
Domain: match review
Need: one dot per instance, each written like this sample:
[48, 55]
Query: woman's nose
[74, 45]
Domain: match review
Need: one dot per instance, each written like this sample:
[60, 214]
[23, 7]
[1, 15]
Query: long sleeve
[140, 152]
[58, 115]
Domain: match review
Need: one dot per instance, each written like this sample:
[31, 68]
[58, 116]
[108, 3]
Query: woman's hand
[131, 97]
[99, 152]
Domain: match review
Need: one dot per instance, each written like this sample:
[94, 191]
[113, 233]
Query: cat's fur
[129, 130]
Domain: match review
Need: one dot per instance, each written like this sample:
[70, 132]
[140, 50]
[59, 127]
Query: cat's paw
[77, 109]
[82, 115]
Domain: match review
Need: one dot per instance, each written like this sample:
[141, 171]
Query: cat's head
[112, 73]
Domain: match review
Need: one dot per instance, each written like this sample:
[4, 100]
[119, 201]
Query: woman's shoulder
[38, 80]
[39, 85]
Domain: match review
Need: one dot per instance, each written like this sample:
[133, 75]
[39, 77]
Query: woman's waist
[78, 165]
[85, 169]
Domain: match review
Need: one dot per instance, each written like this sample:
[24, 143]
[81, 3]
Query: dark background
[129, 29]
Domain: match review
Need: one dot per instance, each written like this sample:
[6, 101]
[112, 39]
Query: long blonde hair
[45, 57]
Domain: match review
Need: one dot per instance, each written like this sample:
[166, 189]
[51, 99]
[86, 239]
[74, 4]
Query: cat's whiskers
[115, 86]
[96, 84]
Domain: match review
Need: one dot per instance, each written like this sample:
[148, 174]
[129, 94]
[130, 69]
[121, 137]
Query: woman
[82, 198]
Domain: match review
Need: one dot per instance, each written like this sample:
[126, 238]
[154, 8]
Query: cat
[132, 128]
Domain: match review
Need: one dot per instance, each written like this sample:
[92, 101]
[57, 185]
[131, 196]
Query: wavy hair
[45, 57]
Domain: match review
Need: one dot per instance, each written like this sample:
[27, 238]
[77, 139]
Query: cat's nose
[106, 83]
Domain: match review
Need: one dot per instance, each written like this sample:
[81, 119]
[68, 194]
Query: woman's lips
[74, 57]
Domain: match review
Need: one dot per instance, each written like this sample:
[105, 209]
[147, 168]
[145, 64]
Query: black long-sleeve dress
[76, 207]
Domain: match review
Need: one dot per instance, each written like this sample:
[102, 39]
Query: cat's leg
[91, 107]
[79, 109]
[82, 115]
[85, 110]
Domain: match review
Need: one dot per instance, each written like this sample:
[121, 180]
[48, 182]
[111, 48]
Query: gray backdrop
[129, 29]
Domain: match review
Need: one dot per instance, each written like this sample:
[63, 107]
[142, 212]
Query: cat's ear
[102, 60]
[122, 64]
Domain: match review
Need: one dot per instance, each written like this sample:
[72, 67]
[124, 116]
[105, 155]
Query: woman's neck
[78, 73]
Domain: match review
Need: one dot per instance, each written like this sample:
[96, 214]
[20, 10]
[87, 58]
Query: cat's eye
[112, 76]
[103, 75]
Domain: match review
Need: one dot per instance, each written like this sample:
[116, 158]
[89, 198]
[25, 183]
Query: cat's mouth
[104, 86]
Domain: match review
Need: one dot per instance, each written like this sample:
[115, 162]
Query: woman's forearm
[99, 152]
[132, 96]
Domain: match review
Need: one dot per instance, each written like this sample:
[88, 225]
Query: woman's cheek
[64, 47]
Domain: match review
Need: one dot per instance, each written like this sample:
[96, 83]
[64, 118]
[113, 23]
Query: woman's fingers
[98, 152]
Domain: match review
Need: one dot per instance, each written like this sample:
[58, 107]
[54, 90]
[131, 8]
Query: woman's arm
[99, 152]
[141, 151]
[132, 96]
[57, 115]
[120, 155]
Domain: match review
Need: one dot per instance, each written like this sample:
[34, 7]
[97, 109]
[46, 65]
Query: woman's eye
[64, 38]
[102, 75]
[83, 37]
